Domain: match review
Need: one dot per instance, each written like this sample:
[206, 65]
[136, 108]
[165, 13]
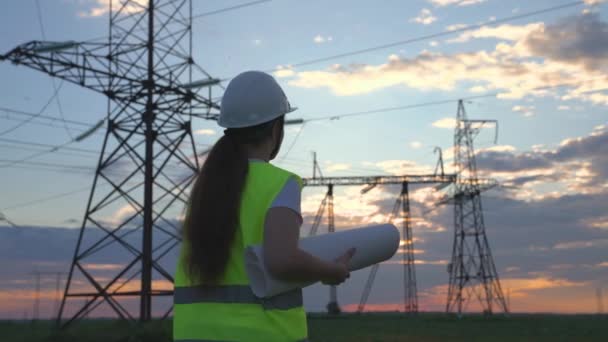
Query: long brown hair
[212, 217]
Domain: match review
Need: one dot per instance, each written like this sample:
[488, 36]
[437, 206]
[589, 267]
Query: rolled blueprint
[374, 244]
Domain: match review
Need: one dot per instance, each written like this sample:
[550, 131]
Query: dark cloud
[508, 161]
[592, 149]
[579, 39]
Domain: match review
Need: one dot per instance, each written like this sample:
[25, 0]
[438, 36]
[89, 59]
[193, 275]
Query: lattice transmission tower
[148, 158]
[401, 210]
[472, 271]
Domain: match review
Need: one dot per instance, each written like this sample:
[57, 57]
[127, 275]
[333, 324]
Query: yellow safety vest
[230, 311]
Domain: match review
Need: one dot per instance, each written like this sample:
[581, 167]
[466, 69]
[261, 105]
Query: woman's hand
[341, 269]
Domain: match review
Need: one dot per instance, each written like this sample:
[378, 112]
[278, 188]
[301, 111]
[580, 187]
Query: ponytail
[213, 210]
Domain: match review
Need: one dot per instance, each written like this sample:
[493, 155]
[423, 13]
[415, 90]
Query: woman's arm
[286, 261]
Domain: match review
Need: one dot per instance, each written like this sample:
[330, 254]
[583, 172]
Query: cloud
[425, 17]
[577, 165]
[103, 267]
[122, 214]
[498, 148]
[257, 42]
[597, 222]
[319, 39]
[415, 144]
[283, 71]
[539, 283]
[503, 32]
[332, 167]
[515, 69]
[526, 111]
[593, 2]
[205, 131]
[580, 40]
[455, 27]
[449, 123]
[582, 244]
[401, 167]
[102, 7]
[442, 3]
[563, 107]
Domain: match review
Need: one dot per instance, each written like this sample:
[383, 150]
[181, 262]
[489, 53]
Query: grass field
[369, 327]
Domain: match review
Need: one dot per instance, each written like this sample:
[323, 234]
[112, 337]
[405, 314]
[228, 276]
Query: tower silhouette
[472, 270]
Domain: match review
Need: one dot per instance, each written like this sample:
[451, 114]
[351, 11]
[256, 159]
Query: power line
[231, 8]
[50, 169]
[49, 198]
[427, 37]
[434, 103]
[40, 123]
[30, 114]
[79, 138]
[23, 148]
[57, 101]
[28, 143]
[295, 139]
[37, 154]
[11, 162]
[7, 131]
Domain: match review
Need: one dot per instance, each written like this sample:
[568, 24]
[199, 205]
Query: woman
[238, 200]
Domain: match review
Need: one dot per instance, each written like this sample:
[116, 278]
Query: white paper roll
[374, 244]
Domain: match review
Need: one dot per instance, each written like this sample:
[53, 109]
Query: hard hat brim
[262, 120]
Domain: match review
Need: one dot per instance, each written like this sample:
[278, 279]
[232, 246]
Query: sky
[543, 77]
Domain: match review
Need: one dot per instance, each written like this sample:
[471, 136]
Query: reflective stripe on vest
[241, 294]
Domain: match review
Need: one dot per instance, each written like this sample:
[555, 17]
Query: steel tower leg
[410, 295]
[332, 307]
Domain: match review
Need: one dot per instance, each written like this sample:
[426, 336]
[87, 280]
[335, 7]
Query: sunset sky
[548, 229]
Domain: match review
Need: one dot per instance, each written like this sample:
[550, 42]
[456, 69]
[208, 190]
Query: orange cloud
[103, 267]
[530, 295]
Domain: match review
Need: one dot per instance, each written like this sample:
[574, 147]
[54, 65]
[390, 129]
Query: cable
[295, 139]
[47, 124]
[23, 148]
[434, 103]
[56, 148]
[427, 37]
[57, 101]
[226, 9]
[28, 143]
[25, 162]
[30, 114]
[46, 199]
[39, 112]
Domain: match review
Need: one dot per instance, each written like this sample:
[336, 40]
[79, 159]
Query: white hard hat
[252, 98]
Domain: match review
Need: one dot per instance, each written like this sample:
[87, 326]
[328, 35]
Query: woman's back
[228, 310]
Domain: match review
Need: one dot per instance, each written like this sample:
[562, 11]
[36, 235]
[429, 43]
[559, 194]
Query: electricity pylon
[472, 270]
[146, 72]
[410, 295]
[410, 292]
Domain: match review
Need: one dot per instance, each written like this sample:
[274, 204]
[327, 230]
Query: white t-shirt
[289, 197]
